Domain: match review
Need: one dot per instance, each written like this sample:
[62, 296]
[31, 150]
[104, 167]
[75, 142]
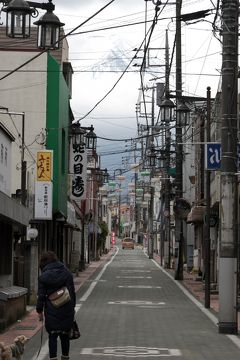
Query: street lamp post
[18, 25]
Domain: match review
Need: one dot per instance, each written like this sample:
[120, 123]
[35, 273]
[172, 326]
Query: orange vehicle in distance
[128, 243]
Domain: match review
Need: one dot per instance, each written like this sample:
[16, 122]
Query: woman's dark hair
[47, 258]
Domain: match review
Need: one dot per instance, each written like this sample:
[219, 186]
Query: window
[67, 73]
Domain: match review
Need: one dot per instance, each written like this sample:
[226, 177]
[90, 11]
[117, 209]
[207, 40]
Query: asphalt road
[131, 308]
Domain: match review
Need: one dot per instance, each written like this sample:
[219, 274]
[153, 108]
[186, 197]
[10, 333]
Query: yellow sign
[44, 165]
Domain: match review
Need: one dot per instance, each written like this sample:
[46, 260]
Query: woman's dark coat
[54, 276]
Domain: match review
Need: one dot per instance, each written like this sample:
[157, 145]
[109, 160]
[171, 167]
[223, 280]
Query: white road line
[94, 283]
[129, 271]
[139, 287]
[89, 291]
[234, 338]
[44, 349]
[150, 307]
[133, 277]
[136, 303]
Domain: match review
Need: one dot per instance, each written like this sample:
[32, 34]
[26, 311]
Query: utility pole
[229, 192]
[167, 161]
[207, 256]
[136, 207]
[119, 210]
[151, 210]
[179, 149]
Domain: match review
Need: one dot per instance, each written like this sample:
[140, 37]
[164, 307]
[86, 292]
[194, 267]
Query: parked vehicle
[127, 243]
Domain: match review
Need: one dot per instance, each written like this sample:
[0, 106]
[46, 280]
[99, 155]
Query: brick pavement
[29, 325]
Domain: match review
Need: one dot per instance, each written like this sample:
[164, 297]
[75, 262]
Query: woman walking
[58, 321]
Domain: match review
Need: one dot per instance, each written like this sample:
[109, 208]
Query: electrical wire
[62, 38]
[115, 84]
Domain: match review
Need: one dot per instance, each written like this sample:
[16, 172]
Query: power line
[154, 21]
[62, 38]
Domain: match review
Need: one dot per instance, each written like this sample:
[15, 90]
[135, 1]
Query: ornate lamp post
[167, 107]
[18, 19]
[184, 113]
[18, 25]
[82, 137]
[91, 138]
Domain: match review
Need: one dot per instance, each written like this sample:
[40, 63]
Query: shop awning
[15, 212]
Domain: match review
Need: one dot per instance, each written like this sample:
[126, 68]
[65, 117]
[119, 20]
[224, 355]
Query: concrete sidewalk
[29, 325]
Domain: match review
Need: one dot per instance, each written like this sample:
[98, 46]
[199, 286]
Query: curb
[29, 325]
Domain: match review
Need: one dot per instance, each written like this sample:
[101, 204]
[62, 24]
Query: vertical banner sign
[43, 200]
[43, 185]
[44, 165]
[78, 171]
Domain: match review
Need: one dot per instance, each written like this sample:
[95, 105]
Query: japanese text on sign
[44, 165]
[213, 156]
[43, 200]
[78, 170]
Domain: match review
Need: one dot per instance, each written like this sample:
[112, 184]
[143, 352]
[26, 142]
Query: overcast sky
[100, 57]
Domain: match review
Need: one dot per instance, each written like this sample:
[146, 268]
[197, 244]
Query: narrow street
[131, 308]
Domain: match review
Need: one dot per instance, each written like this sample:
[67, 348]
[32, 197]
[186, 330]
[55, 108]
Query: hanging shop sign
[78, 171]
[45, 165]
[43, 200]
[113, 238]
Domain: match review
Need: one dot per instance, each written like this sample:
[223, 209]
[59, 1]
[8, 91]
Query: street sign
[213, 156]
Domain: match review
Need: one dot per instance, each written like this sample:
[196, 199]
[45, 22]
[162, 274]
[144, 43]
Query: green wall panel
[57, 132]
